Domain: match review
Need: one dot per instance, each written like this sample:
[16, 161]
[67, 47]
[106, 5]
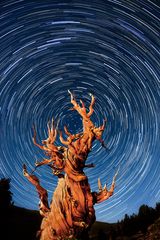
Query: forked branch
[52, 132]
[104, 193]
[82, 110]
[71, 137]
[48, 144]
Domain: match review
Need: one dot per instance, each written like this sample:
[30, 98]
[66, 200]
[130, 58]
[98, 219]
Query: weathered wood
[71, 212]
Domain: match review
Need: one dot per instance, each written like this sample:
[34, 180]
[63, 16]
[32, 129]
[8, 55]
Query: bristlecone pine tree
[71, 212]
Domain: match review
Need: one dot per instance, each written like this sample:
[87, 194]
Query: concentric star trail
[108, 48]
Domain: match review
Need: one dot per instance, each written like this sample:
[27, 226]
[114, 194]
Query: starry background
[108, 48]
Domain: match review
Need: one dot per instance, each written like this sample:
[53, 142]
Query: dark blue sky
[108, 48]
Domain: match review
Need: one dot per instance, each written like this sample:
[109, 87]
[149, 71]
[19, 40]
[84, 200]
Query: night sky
[109, 48]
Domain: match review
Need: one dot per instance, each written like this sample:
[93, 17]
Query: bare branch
[44, 162]
[66, 131]
[81, 111]
[99, 184]
[104, 193]
[114, 178]
[62, 139]
[91, 110]
[43, 195]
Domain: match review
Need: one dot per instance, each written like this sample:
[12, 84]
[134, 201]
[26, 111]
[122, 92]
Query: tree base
[71, 211]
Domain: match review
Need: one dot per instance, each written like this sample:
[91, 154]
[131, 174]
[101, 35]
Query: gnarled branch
[104, 193]
[43, 195]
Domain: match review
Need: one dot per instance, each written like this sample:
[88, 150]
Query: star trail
[109, 48]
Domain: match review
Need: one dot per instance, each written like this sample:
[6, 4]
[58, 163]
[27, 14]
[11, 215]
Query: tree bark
[71, 212]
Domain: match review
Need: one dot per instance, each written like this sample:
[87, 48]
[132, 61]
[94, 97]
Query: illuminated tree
[71, 212]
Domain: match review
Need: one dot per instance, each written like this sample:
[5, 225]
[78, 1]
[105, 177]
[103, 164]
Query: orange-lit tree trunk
[71, 212]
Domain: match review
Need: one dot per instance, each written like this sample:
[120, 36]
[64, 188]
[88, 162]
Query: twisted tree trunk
[71, 212]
